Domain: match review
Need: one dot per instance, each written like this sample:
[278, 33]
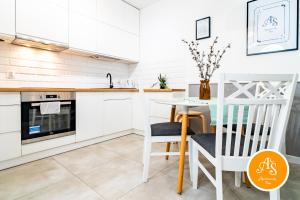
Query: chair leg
[213, 129]
[238, 179]
[204, 124]
[168, 147]
[147, 151]
[247, 181]
[219, 183]
[191, 158]
[195, 167]
[275, 195]
[178, 118]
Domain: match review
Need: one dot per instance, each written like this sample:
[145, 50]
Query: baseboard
[293, 159]
[138, 132]
[51, 152]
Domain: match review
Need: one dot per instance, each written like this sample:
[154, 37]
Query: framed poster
[272, 26]
[203, 28]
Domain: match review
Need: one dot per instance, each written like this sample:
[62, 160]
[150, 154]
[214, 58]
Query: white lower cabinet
[117, 112]
[10, 118]
[10, 126]
[89, 115]
[99, 114]
[10, 145]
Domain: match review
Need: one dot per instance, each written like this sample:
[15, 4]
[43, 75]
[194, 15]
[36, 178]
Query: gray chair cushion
[208, 142]
[168, 129]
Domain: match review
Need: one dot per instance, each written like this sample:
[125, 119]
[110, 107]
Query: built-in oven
[47, 115]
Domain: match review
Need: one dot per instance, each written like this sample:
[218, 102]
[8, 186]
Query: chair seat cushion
[208, 142]
[168, 129]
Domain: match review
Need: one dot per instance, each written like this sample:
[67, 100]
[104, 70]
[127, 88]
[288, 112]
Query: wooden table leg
[182, 151]
[172, 119]
[213, 129]
[247, 181]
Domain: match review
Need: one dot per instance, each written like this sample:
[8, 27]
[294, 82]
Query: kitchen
[75, 77]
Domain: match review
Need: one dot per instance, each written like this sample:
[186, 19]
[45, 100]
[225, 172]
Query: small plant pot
[204, 92]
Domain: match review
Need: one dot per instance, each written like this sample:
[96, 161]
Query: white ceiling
[140, 3]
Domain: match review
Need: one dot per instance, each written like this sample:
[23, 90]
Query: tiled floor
[113, 170]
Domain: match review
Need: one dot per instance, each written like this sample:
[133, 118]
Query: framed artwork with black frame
[203, 28]
[272, 26]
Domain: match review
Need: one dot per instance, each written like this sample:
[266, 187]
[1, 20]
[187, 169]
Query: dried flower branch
[207, 64]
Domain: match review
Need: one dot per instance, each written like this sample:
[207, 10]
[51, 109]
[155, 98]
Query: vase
[204, 90]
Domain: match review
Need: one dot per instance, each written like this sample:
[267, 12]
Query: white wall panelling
[39, 68]
[165, 23]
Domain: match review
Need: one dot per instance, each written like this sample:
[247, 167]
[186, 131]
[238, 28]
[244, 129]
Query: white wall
[166, 22]
[40, 68]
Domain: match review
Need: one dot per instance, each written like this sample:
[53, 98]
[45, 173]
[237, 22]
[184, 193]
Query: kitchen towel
[50, 108]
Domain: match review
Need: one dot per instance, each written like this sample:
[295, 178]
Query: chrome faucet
[108, 75]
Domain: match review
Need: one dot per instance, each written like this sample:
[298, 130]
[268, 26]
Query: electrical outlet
[10, 75]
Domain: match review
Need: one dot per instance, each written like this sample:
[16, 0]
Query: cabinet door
[10, 145]
[117, 43]
[10, 118]
[7, 17]
[120, 14]
[117, 113]
[45, 19]
[84, 7]
[83, 32]
[89, 112]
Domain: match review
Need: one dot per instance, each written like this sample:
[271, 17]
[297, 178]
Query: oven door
[37, 127]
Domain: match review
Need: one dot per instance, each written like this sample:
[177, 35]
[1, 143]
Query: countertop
[37, 89]
[164, 90]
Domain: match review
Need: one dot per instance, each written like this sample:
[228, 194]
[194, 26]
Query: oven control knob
[41, 97]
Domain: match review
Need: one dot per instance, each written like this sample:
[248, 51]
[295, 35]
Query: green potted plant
[162, 81]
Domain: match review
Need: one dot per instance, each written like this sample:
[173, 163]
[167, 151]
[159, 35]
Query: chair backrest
[155, 112]
[268, 112]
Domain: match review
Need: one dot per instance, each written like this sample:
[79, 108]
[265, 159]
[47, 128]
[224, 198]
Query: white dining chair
[162, 132]
[265, 129]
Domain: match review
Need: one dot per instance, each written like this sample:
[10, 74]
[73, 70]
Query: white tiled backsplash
[27, 67]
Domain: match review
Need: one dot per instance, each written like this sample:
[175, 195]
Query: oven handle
[61, 103]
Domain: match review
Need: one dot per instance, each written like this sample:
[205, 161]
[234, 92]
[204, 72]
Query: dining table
[185, 105]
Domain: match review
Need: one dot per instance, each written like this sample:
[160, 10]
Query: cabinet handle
[117, 99]
[61, 103]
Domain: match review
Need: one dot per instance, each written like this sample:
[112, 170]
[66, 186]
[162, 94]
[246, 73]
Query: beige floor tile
[67, 189]
[161, 187]
[115, 178]
[123, 145]
[113, 170]
[85, 159]
[24, 179]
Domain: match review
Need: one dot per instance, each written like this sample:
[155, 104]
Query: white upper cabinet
[118, 29]
[83, 25]
[117, 43]
[7, 17]
[44, 19]
[120, 14]
[87, 8]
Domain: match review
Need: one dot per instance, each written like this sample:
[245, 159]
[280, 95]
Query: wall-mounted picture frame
[272, 26]
[203, 28]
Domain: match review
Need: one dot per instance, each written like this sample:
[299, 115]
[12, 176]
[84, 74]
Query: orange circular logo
[268, 170]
